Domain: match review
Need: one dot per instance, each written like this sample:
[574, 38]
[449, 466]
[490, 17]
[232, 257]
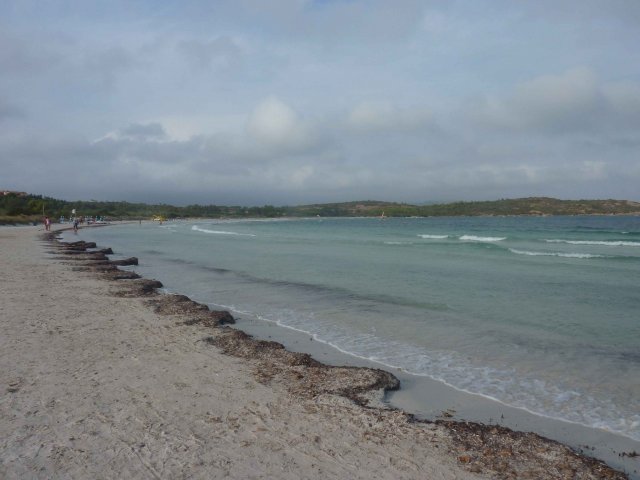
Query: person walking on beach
[47, 223]
[75, 224]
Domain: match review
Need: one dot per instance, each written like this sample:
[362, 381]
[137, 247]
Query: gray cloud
[26, 56]
[571, 102]
[153, 131]
[221, 53]
[385, 117]
[105, 65]
[299, 101]
[10, 111]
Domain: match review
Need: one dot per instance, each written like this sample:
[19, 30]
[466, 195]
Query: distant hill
[518, 206]
[18, 207]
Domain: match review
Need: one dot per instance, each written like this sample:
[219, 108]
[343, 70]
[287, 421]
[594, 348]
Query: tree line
[23, 208]
[31, 207]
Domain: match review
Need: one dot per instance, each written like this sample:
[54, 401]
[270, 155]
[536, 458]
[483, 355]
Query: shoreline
[468, 447]
[446, 402]
[36, 221]
[420, 395]
[431, 399]
[453, 404]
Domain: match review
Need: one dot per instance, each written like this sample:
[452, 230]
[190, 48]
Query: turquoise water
[538, 313]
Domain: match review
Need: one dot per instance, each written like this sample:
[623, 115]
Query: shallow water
[538, 313]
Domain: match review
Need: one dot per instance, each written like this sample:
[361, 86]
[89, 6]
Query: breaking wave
[555, 254]
[434, 237]
[608, 243]
[220, 232]
[473, 238]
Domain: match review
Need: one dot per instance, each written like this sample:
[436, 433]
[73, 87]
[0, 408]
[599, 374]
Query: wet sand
[103, 377]
[432, 400]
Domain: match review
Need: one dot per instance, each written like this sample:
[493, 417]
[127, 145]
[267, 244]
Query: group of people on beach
[47, 223]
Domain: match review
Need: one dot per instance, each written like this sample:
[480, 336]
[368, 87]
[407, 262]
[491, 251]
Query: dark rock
[105, 268]
[504, 453]
[307, 376]
[94, 256]
[117, 274]
[213, 318]
[126, 261]
[148, 285]
[82, 255]
[140, 287]
[81, 245]
[178, 305]
[223, 316]
[197, 313]
[106, 251]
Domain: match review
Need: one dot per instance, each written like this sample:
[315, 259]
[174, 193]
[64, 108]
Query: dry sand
[94, 384]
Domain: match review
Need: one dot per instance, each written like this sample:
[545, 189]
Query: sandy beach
[106, 378]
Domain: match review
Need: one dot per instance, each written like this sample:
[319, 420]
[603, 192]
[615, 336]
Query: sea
[537, 313]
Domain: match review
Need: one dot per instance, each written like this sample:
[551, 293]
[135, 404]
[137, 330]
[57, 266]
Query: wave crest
[220, 232]
[608, 243]
[554, 254]
[434, 237]
[473, 238]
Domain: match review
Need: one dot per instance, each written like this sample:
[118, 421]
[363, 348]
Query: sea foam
[613, 243]
[506, 386]
[220, 232]
[473, 238]
[434, 237]
[554, 254]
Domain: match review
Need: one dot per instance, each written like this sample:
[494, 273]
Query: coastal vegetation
[519, 206]
[19, 207]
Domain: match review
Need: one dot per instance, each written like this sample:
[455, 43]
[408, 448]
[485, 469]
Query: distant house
[10, 192]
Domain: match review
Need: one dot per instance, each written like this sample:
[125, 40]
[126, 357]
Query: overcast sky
[299, 101]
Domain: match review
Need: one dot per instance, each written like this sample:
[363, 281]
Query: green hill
[25, 208]
[519, 206]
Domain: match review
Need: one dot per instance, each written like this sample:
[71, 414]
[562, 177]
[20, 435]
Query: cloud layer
[297, 101]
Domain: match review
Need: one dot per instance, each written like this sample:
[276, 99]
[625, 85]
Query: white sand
[95, 386]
